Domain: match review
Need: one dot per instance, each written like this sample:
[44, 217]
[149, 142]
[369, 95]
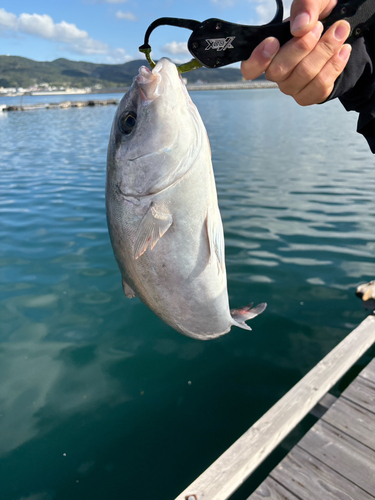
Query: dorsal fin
[216, 237]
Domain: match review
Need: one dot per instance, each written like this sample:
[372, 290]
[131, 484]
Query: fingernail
[345, 52]
[317, 30]
[300, 21]
[342, 31]
[270, 48]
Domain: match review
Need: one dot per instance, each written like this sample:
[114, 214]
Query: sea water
[98, 397]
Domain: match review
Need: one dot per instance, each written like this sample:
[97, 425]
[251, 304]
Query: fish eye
[127, 122]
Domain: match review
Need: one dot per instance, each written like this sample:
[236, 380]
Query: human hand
[307, 66]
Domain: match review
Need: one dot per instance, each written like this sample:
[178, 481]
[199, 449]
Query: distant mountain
[21, 72]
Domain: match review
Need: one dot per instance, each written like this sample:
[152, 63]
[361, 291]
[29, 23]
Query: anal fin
[245, 313]
[153, 226]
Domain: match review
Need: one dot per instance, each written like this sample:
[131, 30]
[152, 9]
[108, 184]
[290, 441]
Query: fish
[162, 208]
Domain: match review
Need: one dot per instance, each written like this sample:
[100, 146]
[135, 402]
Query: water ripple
[296, 192]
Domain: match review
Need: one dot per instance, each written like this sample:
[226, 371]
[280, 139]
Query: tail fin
[245, 313]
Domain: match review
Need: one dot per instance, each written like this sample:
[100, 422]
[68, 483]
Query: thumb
[304, 14]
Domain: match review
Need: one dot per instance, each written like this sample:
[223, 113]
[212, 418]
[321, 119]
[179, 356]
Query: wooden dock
[336, 458]
[340, 447]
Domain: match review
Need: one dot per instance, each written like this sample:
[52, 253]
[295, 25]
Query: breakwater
[56, 105]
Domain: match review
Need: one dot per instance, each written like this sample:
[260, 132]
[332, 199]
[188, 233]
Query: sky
[110, 31]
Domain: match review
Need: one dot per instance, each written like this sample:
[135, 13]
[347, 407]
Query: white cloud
[129, 16]
[117, 56]
[176, 48]
[89, 46]
[7, 19]
[43, 26]
[178, 60]
[266, 9]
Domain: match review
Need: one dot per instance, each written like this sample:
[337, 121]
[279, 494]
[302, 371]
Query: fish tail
[245, 313]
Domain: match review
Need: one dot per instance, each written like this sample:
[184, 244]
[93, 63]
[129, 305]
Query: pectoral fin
[128, 291]
[216, 237]
[153, 226]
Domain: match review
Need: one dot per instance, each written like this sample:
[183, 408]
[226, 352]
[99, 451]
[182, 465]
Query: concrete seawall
[256, 84]
[233, 86]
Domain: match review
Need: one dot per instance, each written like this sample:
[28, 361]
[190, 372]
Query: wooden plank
[324, 404]
[230, 470]
[342, 453]
[310, 479]
[361, 392]
[272, 490]
[354, 420]
[369, 372]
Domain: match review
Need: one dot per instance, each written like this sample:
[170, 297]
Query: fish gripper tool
[215, 43]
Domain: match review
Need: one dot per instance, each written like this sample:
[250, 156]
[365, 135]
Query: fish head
[156, 133]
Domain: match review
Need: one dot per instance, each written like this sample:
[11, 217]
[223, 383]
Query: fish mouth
[151, 83]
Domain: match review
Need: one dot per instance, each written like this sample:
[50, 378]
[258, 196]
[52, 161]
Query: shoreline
[115, 101]
[251, 84]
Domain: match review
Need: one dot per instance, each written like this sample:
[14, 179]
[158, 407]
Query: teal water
[98, 397]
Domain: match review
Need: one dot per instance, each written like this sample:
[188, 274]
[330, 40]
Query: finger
[305, 13]
[330, 43]
[292, 53]
[328, 9]
[260, 59]
[322, 85]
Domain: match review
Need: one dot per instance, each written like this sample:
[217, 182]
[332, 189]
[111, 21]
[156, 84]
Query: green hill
[21, 72]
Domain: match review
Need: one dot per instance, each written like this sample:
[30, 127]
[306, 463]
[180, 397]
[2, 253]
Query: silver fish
[162, 209]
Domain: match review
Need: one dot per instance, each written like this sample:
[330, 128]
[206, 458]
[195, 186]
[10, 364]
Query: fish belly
[182, 278]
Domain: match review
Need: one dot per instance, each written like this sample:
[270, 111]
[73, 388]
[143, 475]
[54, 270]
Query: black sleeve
[355, 87]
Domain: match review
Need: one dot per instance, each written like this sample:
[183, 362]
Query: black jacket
[355, 87]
